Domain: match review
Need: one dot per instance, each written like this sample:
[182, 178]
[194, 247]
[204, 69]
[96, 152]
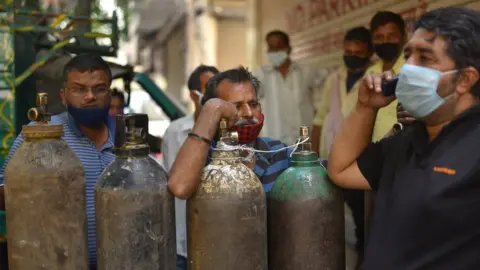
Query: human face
[87, 89]
[243, 95]
[116, 106]
[387, 33]
[356, 48]
[204, 78]
[356, 54]
[277, 43]
[427, 50]
[388, 41]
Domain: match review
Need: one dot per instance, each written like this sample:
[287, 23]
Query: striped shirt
[93, 161]
[270, 165]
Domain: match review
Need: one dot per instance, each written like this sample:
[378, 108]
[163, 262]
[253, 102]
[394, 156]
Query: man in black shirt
[427, 177]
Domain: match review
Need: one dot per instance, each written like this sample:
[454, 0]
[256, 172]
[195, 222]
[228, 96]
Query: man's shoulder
[180, 124]
[375, 67]
[60, 118]
[262, 69]
[267, 143]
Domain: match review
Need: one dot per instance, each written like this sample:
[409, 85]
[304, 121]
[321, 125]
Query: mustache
[245, 121]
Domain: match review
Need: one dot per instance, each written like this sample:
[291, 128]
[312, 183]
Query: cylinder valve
[131, 132]
[40, 113]
[227, 136]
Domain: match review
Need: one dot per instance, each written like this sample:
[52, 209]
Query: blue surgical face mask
[417, 90]
[89, 117]
[277, 58]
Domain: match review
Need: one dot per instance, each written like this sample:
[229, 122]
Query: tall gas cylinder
[45, 199]
[134, 209]
[305, 216]
[226, 218]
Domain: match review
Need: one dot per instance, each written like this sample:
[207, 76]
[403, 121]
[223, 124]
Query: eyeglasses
[82, 91]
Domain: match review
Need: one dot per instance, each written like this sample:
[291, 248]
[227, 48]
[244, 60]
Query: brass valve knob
[40, 113]
[226, 136]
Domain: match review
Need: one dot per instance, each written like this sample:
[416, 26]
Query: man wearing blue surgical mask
[87, 127]
[173, 139]
[426, 176]
[287, 90]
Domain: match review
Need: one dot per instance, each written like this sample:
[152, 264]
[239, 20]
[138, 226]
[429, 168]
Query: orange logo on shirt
[444, 170]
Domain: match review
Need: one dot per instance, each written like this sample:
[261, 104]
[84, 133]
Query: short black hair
[86, 62]
[361, 34]
[460, 28]
[194, 79]
[236, 75]
[384, 17]
[120, 95]
[282, 34]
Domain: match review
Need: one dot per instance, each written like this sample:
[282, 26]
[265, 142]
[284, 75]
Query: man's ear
[194, 97]
[468, 78]
[62, 96]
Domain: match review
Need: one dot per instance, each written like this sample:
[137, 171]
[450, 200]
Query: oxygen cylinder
[135, 211]
[45, 199]
[305, 216]
[226, 218]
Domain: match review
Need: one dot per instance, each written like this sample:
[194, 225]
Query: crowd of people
[424, 177]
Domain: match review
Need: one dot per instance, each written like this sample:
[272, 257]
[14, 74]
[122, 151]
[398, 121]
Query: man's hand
[212, 112]
[221, 109]
[370, 91]
[403, 117]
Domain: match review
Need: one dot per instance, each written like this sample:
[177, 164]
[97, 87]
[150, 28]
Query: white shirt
[173, 139]
[287, 103]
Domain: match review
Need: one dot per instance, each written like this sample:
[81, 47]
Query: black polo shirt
[427, 208]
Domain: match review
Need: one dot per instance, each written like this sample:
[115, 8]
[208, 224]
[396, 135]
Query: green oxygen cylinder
[134, 209]
[45, 199]
[305, 215]
[226, 217]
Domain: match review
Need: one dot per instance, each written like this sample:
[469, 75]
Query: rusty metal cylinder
[226, 218]
[306, 227]
[45, 200]
[135, 211]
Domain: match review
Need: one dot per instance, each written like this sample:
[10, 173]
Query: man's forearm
[352, 140]
[186, 171]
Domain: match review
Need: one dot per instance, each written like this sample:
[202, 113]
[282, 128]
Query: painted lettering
[320, 10]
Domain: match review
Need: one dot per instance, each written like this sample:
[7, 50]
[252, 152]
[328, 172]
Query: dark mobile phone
[388, 88]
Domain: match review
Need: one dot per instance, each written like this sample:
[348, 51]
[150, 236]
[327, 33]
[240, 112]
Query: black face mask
[355, 62]
[387, 51]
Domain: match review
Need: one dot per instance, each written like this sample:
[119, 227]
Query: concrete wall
[175, 68]
[231, 44]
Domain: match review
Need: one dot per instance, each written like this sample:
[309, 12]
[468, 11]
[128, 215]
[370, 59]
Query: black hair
[384, 17]
[236, 75]
[460, 28]
[361, 34]
[194, 79]
[282, 34]
[86, 62]
[120, 95]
